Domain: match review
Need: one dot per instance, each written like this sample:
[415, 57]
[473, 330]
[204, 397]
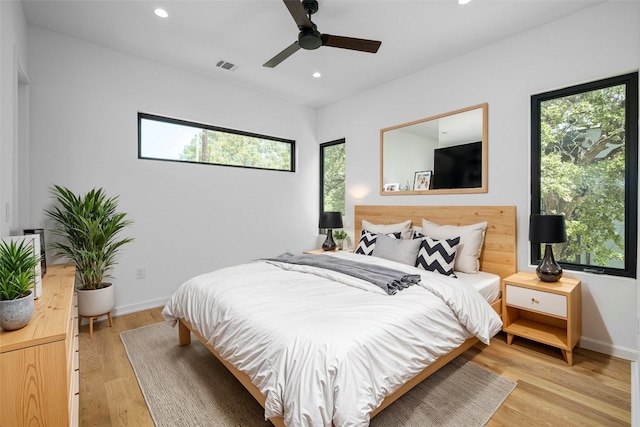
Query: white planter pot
[96, 302]
[15, 314]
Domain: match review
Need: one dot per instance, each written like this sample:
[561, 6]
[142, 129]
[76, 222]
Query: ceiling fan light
[463, 1]
[317, 75]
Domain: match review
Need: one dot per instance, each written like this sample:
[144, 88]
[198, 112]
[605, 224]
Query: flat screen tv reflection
[458, 166]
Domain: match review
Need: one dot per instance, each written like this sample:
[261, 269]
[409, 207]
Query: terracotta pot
[16, 313]
[96, 302]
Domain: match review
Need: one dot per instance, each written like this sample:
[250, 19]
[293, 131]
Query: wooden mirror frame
[483, 188]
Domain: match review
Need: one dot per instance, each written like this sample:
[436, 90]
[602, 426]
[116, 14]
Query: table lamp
[330, 220]
[547, 229]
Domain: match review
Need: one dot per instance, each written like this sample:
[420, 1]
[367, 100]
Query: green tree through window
[332, 176]
[584, 166]
[237, 150]
[170, 139]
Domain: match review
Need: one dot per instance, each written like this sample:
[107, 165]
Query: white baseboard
[132, 308]
[608, 348]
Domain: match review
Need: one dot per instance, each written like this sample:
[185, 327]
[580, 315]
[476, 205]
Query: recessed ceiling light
[161, 13]
[317, 75]
[463, 1]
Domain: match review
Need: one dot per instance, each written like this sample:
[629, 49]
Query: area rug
[188, 386]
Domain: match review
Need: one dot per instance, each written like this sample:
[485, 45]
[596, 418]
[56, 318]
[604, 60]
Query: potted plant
[18, 263]
[340, 235]
[89, 229]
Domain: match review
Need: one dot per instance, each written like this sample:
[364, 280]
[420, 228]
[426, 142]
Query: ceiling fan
[310, 38]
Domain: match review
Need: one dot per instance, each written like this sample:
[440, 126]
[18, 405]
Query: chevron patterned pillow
[438, 255]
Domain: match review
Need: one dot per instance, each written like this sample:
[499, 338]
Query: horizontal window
[163, 138]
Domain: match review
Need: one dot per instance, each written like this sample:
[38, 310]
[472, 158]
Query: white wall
[406, 153]
[188, 219]
[599, 42]
[13, 48]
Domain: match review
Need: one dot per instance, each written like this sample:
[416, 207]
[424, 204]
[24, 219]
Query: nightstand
[322, 251]
[317, 251]
[546, 312]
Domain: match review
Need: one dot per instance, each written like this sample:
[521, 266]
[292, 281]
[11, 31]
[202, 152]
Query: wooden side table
[317, 251]
[322, 251]
[546, 312]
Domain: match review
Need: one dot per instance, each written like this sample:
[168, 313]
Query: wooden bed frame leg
[184, 334]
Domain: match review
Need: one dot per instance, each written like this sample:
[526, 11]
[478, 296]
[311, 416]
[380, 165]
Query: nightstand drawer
[543, 302]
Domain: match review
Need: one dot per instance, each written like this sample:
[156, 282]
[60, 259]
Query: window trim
[322, 147]
[181, 122]
[631, 170]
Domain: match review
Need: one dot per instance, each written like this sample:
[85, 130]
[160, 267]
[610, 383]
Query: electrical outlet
[141, 272]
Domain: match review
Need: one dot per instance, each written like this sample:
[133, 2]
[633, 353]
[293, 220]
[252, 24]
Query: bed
[305, 354]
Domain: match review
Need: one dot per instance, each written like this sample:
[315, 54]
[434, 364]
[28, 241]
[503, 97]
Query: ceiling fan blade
[287, 52]
[298, 13]
[362, 45]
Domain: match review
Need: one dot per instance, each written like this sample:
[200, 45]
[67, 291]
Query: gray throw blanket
[390, 280]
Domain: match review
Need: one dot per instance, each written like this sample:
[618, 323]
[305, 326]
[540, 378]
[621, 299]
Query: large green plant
[89, 227]
[18, 265]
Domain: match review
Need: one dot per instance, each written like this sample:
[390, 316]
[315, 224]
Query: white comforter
[324, 347]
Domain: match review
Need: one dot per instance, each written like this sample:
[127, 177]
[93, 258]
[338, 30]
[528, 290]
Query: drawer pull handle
[534, 301]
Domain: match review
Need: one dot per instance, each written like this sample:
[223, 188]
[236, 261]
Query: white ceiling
[197, 34]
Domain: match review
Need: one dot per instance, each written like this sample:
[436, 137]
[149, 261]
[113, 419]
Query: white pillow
[470, 246]
[403, 227]
[404, 251]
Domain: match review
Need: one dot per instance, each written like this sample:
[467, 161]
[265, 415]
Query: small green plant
[18, 265]
[89, 227]
[339, 234]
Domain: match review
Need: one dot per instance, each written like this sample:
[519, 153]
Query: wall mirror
[443, 154]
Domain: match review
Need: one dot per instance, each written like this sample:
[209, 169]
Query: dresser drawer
[531, 299]
[75, 411]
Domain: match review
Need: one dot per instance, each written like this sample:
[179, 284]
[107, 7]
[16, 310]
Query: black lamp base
[329, 244]
[549, 270]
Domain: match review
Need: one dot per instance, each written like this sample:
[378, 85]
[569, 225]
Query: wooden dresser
[39, 376]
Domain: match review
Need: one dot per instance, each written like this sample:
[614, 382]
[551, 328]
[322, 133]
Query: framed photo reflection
[422, 180]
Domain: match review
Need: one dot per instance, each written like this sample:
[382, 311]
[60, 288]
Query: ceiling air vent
[226, 65]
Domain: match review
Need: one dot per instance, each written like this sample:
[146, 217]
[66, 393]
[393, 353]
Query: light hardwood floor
[596, 391]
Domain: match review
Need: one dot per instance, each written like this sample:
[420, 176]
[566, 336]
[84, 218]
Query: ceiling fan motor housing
[309, 38]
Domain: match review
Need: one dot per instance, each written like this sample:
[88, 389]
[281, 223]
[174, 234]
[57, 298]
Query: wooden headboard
[499, 250]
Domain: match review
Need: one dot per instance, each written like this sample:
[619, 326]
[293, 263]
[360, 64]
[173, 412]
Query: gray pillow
[399, 250]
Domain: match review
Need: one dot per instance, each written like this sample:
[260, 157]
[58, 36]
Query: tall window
[163, 138]
[585, 166]
[332, 175]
